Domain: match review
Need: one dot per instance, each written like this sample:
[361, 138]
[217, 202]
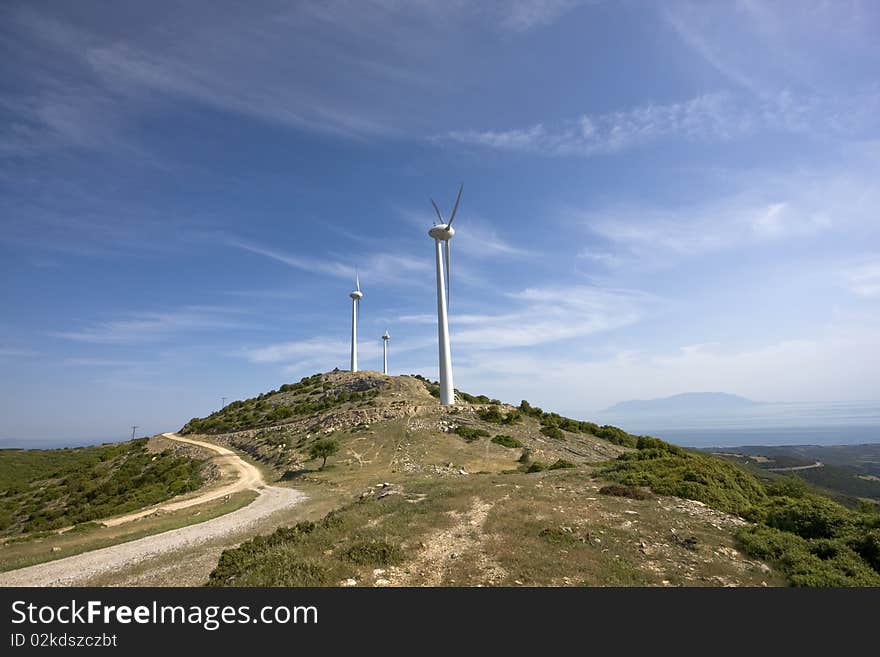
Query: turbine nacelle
[443, 232]
[357, 294]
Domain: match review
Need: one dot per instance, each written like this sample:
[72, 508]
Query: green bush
[561, 464]
[537, 466]
[373, 553]
[553, 432]
[621, 490]
[506, 441]
[715, 482]
[827, 564]
[470, 433]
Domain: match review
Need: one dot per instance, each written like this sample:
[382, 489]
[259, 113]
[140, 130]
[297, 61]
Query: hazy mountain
[688, 402]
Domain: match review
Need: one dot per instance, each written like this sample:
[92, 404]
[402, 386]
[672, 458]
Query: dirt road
[248, 478]
[81, 569]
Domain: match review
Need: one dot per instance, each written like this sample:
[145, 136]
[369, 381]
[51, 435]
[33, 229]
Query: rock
[378, 572]
[348, 582]
[56, 549]
[382, 582]
[462, 471]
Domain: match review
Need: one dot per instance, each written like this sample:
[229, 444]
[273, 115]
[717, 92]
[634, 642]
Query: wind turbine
[356, 297]
[385, 339]
[442, 233]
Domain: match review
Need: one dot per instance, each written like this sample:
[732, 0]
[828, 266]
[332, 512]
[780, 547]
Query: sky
[658, 198]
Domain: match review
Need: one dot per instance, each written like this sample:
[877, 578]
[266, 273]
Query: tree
[323, 448]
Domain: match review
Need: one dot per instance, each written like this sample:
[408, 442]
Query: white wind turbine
[356, 297]
[442, 233]
[385, 339]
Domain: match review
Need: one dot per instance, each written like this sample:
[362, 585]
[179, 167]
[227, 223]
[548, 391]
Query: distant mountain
[688, 402]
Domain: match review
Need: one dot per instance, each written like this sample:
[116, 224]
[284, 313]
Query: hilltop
[488, 493]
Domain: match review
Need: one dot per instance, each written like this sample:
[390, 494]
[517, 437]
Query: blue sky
[659, 198]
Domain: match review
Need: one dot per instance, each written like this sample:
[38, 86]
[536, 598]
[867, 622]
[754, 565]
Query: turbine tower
[442, 233]
[356, 296]
[385, 339]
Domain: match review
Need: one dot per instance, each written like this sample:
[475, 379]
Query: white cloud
[374, 267]
[709, 117]
[770, 209]
[543, 315]
[143, 327]
[865, 279]
[298, 351]
[524, 15]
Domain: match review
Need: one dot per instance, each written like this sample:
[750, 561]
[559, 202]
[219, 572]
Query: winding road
[77, 570]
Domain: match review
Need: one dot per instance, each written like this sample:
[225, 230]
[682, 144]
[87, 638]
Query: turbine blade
[448, 281]
[357, 280]
[437, 210]
[457, 201]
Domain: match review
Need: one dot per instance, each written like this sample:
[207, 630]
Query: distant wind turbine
[356, 297]
[442, 234]
[385, 339]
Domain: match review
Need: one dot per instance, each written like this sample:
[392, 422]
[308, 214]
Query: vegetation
[470, 433]
[561, 464]
[494, 415]
[812, 539]
[292, 400]
[322, 449]
[48, 489]
[506, 441]
[622, 490]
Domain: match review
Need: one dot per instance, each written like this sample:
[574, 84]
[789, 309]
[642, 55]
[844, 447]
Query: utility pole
[134, 428]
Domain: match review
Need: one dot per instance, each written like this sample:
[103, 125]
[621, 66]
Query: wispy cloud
[768, 209]
[16, 352]
[141, 327]
[710, 117]
[864, 280]
[525, 15]
[762, 46]
[547, 314]
[376, 267]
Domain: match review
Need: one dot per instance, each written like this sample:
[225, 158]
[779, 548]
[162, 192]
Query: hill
[688, 402]
[491, 493]
[849, 473]
[44, 490]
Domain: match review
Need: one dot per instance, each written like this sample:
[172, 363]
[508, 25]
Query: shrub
[553, 432]
[373, 553]
[470, 433]
[525, 456]
[492, 414]
[790, 486]
[537, 466]
[622, 490]
[558, 535]
[506, 441]
[808, 517]
[561, 464]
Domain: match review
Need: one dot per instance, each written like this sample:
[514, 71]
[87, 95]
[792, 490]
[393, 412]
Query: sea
[790, 423]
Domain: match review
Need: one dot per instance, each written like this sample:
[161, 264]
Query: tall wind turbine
[442, 233]
[356, 297]
[385, 339]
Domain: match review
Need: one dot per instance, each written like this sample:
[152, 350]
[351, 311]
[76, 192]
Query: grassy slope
[49, 489]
